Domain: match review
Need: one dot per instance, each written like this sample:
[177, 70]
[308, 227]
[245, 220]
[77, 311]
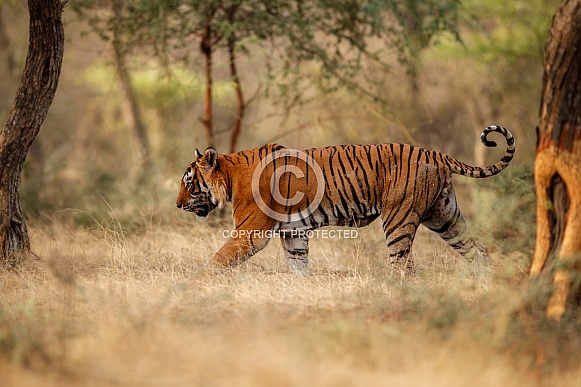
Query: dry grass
[105, 307]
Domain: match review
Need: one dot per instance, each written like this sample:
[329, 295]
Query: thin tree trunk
[477, 122]
[237, 126]
[33, 99]
[558, 159]
[132, 108]
[133, 112]
[206, 48]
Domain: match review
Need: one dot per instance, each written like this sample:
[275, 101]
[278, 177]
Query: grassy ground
[105, 307]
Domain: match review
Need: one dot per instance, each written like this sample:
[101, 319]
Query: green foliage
[153, 86]
[9, 3]
[344, 38]
[340, 37]
[494, 29]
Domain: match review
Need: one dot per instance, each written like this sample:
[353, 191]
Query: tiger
[404, 185]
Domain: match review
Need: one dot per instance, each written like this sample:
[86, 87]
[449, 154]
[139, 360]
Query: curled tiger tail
[491, 170]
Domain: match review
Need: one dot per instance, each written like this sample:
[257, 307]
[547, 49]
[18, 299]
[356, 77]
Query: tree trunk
[132, 109]
[558, 159]
[33, 99]
[237, 126]
[206, 48]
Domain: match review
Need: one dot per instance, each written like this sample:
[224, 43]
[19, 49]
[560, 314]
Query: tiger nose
[179, 205]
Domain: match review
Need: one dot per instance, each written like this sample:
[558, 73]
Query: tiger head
[202, 187]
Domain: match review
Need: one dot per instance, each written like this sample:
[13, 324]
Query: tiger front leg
[399, 247]
[239, 247]
[296, 250]
[400, 233]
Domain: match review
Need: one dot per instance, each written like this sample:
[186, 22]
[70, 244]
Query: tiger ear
[198, 154]
[209, 159]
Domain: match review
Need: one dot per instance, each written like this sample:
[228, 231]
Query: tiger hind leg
[445, 219]
[296, 250]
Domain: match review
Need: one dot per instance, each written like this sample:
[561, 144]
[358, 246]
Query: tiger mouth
[202, 212]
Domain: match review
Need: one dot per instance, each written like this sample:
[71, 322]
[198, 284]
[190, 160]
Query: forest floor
[107, 307]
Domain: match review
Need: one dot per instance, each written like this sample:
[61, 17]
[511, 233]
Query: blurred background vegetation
[471, 64]
[114, 281]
